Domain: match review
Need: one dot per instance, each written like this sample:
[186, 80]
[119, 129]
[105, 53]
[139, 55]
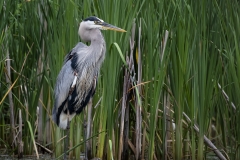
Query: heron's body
[83, 65]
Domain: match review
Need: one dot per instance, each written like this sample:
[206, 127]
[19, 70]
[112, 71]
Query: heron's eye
[97, 22]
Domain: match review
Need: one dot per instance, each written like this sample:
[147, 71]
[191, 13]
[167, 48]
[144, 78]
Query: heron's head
[92, 23]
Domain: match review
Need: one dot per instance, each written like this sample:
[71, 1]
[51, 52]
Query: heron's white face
[89, 24]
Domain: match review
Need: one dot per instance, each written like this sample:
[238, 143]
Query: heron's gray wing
[62, 88]
[64, 82]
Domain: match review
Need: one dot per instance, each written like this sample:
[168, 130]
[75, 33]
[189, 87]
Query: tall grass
[185, 59]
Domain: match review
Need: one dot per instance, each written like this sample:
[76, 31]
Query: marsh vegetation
[168, 89]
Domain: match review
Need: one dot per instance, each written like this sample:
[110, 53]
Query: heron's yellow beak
[106, 26]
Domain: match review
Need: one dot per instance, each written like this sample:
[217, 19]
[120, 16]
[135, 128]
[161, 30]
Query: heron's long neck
[98, 47]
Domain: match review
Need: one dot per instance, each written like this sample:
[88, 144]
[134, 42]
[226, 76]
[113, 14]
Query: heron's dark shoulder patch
[69, 56]
[79, 46]
[74, 61]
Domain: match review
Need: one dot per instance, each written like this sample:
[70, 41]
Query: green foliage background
[197, 74]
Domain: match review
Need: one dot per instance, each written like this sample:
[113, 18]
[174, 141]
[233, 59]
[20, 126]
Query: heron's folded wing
[62, 88]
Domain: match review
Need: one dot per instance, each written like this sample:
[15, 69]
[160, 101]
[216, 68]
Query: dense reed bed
[168, 89]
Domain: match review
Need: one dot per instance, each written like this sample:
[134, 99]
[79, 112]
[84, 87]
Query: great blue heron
[76, 82]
